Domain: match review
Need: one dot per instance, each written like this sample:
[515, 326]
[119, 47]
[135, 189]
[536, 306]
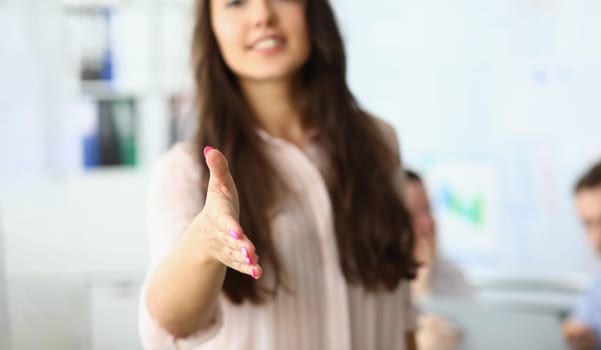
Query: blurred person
[300, 175]
[436, 277]
[582, 329]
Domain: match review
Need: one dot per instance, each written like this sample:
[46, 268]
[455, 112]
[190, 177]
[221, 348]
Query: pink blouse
[323, 311]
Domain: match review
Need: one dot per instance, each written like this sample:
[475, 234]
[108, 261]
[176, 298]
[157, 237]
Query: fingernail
[234, 234]
[245, 252]
[249, 261]
[253, 273]
[207, 149]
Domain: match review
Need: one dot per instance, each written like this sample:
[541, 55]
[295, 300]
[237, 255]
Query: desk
[512, 312]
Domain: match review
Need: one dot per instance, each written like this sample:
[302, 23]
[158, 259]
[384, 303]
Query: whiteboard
[496, 103]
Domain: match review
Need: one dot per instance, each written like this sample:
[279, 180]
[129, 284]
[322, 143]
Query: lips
[267, 43]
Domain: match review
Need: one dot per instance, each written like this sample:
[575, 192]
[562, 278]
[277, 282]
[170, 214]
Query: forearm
[183, 291]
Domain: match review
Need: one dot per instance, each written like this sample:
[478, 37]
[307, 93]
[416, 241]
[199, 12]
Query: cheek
[595, 236]
[415, 224]
[229, 39]
[431, 223]
[295, 23]
[422, 224]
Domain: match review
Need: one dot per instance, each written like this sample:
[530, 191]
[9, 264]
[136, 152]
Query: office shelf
[97, 5]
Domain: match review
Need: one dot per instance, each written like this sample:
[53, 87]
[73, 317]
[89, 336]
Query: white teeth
[267, 44]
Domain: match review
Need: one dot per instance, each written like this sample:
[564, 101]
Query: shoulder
[450, 280]
[387, 131]
[180, 155]
[180, 165]
[596, 283]
[384, 127]
[448, 270]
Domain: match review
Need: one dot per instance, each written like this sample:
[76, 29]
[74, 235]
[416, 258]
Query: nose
[263, 15]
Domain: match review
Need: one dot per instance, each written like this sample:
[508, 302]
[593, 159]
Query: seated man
[436, 277]
[582, 329]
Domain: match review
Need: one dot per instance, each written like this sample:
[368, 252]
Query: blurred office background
[496, 102]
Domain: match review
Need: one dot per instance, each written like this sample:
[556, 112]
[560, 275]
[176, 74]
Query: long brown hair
[372, 224]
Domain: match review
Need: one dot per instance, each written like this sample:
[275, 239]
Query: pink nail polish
[245, 252]
[234, 235]
[207, 149]
[253, 273]
[249, 261]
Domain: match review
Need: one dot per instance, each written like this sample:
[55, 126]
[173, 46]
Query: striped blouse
[322, 311]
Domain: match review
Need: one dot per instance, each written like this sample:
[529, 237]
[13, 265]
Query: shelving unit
[75, 232]
[94, 4]
[90, 5]
[150, 47]
[142, 49]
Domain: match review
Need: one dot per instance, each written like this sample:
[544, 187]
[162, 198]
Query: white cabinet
[4, 321]
[113, 316]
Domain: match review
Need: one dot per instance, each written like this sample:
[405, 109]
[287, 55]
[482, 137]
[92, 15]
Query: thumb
[217, 163]
[220, 179]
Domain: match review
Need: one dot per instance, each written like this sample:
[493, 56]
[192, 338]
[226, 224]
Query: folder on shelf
[112, 142]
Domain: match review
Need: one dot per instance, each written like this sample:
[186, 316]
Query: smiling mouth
[266, 44]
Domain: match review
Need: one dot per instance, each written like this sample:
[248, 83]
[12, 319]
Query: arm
[578, 336]
[182, 291]
[437, 333]
[579, 329]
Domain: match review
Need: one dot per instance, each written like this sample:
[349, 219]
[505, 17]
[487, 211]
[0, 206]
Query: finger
[239, 262]
[240, 257]
[229, 225]
[233, 237]
[244, 248]
[255, 271]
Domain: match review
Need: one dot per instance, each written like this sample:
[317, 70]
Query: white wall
[505, 88]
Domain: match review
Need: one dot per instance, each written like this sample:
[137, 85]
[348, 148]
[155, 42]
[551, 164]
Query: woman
[300, 176]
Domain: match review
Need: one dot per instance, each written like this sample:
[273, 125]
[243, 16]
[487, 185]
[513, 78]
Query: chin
[270, 75]
[274, 70]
